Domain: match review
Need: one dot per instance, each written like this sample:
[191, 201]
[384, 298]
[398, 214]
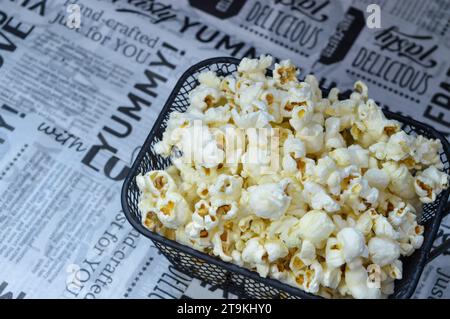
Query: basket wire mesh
[239, 280]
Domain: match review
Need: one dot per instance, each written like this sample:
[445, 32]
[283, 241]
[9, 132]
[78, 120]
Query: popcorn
[296, 97]
[310, 278]
[199, 238]
[228, 86]
[333, 253]
[202, 190]
[377, 178]
[356, 280]
[172, 210]
[249, 98]
[313, 137]
[333, 139]
[316, 227]
[257, 119]
[294, 150]
[181, 236]
[406, 249]
[227, 186]
[398, 215]
[302, 116]
[377, 126]
[287, 229]
[237, 258]
[296, 265]
[204, 216]
[364, 223]
[278, 273]
[218, 246]
[204, 97]
[402, 182]
[202, 146]
[318, 118]
[187, 172]
[317, 197]
[334, 182]
[150, 220]
[209, 79]
[361, 88]
[324, 168]
[399, 146]
[306, 168]
[285, 73]
[395, 270]
[257, 161]
[269, 200]
[217, 116]
[383, 228]
[314, 85]
[353, 155]
[253, 252]
[176, 126]
[383, 251]
[410, 233]
[426, 151]
[378, 150]
[319, 193]
[333, 95]
[339, 222]
[342, 289]
[307, 252]
[253, 68]
[273, 98]
[429, 183]
[353, 244]
[158, 183]
[331, 277]
[358, 187]
[225, 208]
[345, 111]
[275, 249]
[147, 203]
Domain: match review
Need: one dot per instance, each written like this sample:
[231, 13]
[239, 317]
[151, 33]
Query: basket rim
[424, 250]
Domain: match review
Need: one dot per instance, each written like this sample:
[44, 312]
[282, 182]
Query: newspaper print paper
[74, 113]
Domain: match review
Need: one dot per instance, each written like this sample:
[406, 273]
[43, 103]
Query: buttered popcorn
[320, 193]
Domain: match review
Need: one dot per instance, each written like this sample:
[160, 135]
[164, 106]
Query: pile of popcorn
[336, 214]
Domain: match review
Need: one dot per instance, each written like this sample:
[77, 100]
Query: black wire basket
[238, 280]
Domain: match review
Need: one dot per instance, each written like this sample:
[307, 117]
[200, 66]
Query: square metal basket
[241, 281]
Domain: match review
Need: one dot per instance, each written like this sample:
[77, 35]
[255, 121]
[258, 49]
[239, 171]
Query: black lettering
[187, 24]
[152, 77]
[127, 126]
[94, 150]
[109, 167]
